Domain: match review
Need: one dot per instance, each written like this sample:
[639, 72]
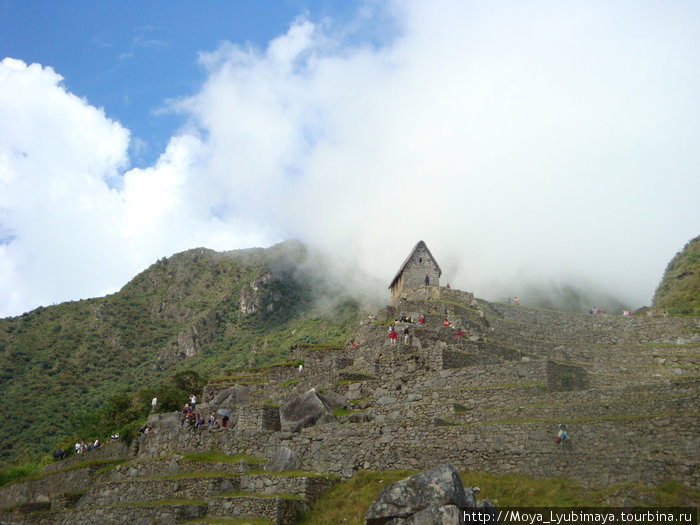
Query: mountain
[679, 290]
[198, 310]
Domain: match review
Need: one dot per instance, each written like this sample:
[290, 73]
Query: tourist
[446, 323]
[392, 336]
[516, 300]
[154, 402]
[459, 336]
[427, 280]
[301, 368]
[405, 336]
[193, 402]
[562, 437]
[421, 319]
[185, 412]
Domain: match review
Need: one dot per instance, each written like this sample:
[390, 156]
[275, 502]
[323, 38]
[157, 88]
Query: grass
[75, 353]
[290, 382]
[339, 412]
[347, 502]
[21, 475]
[350, 499]
[239, 494]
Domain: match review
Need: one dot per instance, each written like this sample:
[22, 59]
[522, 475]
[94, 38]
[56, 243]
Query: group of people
[81, 447]
[421, 321]
[196, 421]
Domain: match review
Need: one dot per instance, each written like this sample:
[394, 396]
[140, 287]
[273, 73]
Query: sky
[539, 142]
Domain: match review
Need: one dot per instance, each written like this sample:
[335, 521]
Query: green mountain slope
[197, 310]
[679, 291]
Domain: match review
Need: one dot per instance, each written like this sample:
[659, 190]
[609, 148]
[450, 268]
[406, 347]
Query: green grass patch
[339, 412]
[348, 501]
[292, 474]
[115, 463]
[18, 472]
[239, 494]
[290, 382]
[34, 473]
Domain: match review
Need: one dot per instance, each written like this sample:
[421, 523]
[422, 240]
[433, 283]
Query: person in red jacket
[392, 336]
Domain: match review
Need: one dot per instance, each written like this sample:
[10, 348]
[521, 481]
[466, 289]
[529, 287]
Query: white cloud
[57, 155]
[520, 141]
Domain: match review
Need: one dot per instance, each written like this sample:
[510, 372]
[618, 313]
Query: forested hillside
[679, 291]
[199, 310]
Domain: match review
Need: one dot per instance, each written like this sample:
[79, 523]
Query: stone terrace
[627, 388]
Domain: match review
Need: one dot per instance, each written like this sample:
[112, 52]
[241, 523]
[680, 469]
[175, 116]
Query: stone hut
[411, 274]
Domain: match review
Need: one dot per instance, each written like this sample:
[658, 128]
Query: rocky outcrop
[305, 411]
[423, 498]
[250, 300]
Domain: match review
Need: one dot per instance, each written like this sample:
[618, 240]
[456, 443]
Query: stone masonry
[627, 388]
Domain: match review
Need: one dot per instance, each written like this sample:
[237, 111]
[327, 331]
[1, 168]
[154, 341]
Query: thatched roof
[420, 244]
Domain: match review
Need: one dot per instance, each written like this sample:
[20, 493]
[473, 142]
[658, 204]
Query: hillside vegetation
[679, 291]
[199, 311]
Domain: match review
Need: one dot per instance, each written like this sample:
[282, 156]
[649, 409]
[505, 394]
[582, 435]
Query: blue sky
[130, 57]
[543, 143]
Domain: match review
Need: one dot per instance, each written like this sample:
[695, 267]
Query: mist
[531, 146]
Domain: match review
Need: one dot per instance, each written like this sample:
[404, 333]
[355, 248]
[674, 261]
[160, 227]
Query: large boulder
[437, 487]
[445, 515]
[283, 459]
[235, 395]
[305, 411]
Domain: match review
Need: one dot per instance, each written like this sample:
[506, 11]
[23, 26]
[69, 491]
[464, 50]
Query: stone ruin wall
[420, 419]
[500, 448]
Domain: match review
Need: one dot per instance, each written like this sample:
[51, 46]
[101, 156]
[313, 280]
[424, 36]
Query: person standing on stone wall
[427, 280]
[459, 336]
[405, 335]
[154, 403]
[193, 402]
[392, 336]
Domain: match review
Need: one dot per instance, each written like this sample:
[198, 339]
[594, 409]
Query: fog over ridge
[527, 145]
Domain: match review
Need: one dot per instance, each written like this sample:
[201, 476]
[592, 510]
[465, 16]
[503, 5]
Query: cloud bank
[551, 143]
